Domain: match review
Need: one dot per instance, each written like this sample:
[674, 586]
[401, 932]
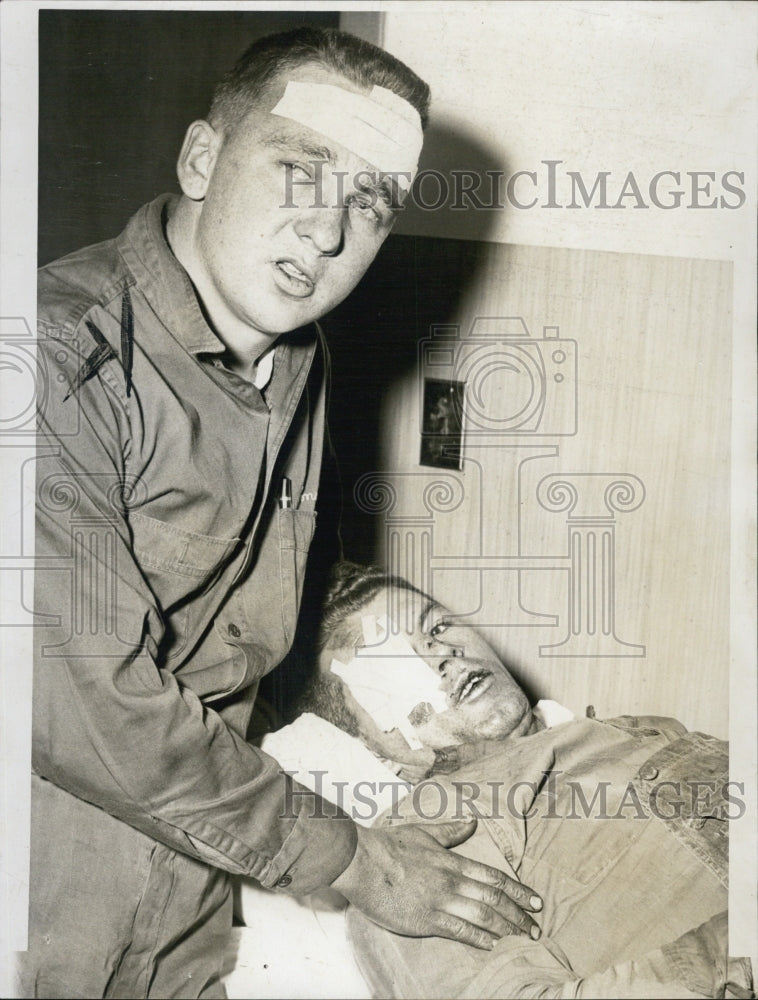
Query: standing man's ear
[196, 159]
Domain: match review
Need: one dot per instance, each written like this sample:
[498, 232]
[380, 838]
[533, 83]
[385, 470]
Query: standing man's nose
[323, 226]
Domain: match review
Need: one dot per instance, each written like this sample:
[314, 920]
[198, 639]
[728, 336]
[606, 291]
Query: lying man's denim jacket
[622, 827]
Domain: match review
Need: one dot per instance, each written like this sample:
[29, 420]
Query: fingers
[521, 894]
[475, 921]
[449, 925]
[482, 896]
[493, 901]
[404, 879]
[491, 909]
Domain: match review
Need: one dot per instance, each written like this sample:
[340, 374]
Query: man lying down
[620, 825]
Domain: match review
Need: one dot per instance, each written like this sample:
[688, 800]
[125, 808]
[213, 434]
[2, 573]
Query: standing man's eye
[298, 170]
[365, 205]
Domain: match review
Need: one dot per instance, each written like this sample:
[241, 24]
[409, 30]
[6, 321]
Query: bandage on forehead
[381, 127]
[390, 679]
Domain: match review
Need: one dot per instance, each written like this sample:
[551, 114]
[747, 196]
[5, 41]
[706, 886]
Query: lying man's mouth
[471, 686]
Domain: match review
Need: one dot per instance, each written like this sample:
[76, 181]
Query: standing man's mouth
[293, 278]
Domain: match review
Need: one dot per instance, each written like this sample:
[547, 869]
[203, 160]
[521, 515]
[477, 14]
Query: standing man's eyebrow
[385, 189]
[300, 145]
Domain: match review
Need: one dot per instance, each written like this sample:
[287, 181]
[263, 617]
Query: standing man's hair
[357, 60]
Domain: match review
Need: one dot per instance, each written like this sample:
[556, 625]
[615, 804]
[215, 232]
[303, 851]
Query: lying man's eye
[439, 628]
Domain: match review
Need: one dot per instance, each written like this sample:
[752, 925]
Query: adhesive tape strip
[381, 127]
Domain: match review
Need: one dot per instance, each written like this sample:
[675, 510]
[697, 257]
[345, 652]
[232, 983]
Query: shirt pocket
[177, 562]
[296, 529]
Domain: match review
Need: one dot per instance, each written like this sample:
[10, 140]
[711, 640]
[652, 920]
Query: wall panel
[620, 601]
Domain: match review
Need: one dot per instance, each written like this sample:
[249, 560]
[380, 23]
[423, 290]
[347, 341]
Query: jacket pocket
[296, 529]
[687, 786]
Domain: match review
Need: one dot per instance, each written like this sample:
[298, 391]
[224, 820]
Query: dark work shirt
[168, 578]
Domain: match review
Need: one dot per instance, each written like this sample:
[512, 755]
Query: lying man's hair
[351, 587]
[357, 60]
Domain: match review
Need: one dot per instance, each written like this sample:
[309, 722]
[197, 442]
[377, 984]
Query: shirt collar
[172, 296]
[164, 281]
[551, 713]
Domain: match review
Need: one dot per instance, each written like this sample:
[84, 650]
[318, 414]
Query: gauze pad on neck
[380, 127]
[389, 679]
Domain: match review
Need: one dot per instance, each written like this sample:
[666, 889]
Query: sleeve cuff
[318, 848]
[700, 956]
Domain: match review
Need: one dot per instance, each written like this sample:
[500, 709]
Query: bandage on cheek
[422, 713]
[381, 127]
[391, 681]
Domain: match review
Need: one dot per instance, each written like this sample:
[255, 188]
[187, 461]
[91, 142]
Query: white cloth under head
[336, 766]
[381, 127]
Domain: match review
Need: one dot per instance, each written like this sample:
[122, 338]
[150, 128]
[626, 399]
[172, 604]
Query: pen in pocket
[285, 495]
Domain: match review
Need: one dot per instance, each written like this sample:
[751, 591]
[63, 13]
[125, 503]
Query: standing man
[179, 461]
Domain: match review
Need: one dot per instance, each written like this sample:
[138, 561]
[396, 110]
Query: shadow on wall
[415, 283]
[457, 192]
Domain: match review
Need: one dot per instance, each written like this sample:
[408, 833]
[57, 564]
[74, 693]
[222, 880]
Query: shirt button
[648, 772]
[284, 881]
[234, 631]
